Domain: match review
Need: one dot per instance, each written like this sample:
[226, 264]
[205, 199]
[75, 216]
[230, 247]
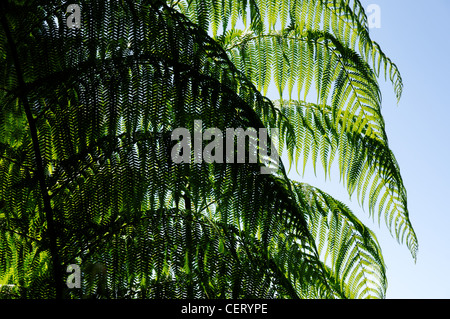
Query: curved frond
[349, 249]
[345, 19]
[366, 165]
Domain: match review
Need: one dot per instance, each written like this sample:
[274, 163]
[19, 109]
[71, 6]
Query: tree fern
[87, 176]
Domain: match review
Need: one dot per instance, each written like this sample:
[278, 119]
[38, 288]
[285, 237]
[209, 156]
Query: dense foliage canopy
[87, 177]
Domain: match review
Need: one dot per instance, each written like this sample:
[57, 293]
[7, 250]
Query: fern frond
[363, 161]
[349, 249]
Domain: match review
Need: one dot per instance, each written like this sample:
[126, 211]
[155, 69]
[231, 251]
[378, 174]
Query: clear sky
[416, 36]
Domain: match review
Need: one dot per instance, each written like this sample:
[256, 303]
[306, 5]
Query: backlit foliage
[86, 175]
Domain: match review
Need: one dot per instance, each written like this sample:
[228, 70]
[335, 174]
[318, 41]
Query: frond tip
[349, 250]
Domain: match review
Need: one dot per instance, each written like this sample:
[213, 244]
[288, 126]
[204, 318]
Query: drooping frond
[312, 60]
[366, 165]
[348, 248]
[345, 19]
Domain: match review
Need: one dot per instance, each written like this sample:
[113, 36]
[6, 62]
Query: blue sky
[416, 36]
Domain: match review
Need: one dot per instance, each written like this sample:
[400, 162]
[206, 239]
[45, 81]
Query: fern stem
[57, 269]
